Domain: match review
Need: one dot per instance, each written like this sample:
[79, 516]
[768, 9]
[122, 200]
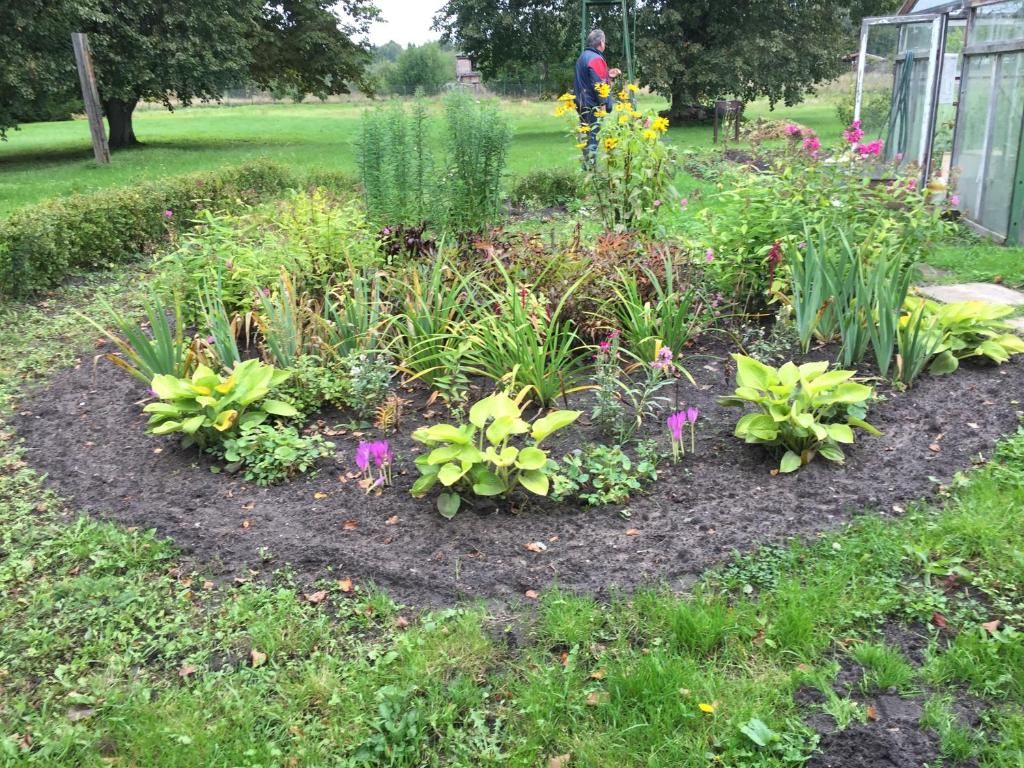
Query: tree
[390, 51]
[514, 36]
[427, 66]
[179, 51]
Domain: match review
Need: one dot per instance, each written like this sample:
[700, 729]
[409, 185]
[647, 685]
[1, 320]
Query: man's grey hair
[595, 38]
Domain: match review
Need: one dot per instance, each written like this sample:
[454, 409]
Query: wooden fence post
[91, 97]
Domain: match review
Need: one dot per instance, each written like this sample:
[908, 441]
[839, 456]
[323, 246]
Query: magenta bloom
[380, 452]
[168, 214]
[954, 200]
[664, 360]
[363, 456]
[684, 202]
[792, 130]
[691, 414]
[853, 134]
[812, 144]
[872, 148]
[912, 184]
[675, 424]
[709, 255]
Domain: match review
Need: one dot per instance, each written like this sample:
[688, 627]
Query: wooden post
[91, 97]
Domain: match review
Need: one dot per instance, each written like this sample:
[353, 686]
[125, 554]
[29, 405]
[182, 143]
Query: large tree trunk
[685, 108]
[119, 118]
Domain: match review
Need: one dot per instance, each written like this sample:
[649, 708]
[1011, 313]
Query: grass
[112, 654]
[45, 160]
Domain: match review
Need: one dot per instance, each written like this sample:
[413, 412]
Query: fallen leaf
[935, 448]
[158, 450]
[597, 697]
[632, 531]
[246, 523]
[345, 585]
[401, 622]
[291, 762]
[559, 761]
[536, 546]
[393, 520]
[186, 670]
[316, 597]
[597, 674]
[319, 495]
[208, 586]
[349, 525]
[563, 658]
[939, 620]
[553, 539]
[249, 505]
[532, 594]
[972, 425]
[871, 712]
[804, 668]
[706, 708]
[80, 712]
[992, 626]
[258, 658]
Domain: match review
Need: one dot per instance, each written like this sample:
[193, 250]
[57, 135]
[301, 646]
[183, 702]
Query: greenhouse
[942, 83]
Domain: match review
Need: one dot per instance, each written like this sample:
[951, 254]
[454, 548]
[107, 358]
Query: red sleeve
[600, 68]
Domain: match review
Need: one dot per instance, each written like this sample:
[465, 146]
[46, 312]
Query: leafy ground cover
[889, 642]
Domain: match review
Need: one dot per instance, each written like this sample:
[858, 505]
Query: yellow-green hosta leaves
[479, 458]
[804, 410]
[208, 407]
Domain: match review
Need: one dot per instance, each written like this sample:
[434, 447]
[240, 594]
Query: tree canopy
[177, 51]
[692, 51]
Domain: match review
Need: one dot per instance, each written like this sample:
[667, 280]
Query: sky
[405, 21]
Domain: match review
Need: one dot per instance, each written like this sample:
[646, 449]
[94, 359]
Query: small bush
[545, 189]
[39, 244]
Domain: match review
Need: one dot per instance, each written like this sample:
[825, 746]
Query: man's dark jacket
[591, 69]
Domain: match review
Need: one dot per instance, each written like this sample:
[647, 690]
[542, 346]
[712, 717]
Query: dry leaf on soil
[316, 597]
[345, 585]
[536, 546]
[258, 658]
[559, 761]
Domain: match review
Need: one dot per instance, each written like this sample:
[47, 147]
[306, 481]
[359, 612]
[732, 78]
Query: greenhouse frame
[949, 103]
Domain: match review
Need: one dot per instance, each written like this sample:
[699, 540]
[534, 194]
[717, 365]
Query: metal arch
[628, 8]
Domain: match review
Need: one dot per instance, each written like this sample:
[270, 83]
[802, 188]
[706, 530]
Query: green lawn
[44, 160]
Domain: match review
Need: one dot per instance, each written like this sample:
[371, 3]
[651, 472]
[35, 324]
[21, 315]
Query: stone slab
[987, 292]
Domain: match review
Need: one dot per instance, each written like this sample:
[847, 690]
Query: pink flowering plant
[374, 460]
[676, 423]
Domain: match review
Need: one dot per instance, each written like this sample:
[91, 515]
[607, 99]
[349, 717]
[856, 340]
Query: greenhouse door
[988, 149]
[898, 73]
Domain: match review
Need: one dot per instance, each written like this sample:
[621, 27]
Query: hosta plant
[480, 457]
[802, 410]
[974, 329]
[207, 408]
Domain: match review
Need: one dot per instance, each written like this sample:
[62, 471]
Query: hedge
[40, 244]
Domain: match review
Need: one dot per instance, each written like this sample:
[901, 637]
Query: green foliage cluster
[41, 244]
[546, 188]
[404, 185]
[271, 453]
[314, 381]
[479, 458]
[802, 410]
[604, 474]
[418, 69]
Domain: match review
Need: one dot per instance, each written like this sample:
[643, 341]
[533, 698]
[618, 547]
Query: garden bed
[86, 431]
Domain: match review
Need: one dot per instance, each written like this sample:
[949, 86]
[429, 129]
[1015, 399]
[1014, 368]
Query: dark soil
[892, 737]
[86, 430]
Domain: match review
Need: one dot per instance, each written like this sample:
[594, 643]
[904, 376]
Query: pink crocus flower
[363, 456]
[954, 200]
[692, 413]
[675, 424]
[709, 255]
[168, 214]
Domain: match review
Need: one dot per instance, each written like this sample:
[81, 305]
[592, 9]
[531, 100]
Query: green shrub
[603, 474]
[546, 188]
[272, 454]
[802, 410]
[40, 244]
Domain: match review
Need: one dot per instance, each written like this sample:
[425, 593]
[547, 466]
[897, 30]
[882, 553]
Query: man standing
[592, 87]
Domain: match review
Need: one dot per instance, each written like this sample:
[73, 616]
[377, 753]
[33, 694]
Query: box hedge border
[40, 244]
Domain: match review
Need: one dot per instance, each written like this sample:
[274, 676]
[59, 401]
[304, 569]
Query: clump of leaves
[479, 457]
[603, 474]
[272, 453]
[313, 382]
[207, 408]
[802, 410]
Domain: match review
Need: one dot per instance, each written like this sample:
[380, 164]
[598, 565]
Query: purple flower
[812, 144]
[210, 339]
[675, 424]
[380, 452]
[664, 360]
[854, 133]
[264, 291]
[657, 203]
[168, 214]
[709, 255]
[684, 202]
[954, 200]
[363, 456]
[152, 392]
[792, 130]
[691, 414]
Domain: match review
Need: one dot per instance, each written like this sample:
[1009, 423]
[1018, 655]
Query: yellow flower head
[651, 135]
[660, 124]
[603, 89]
[624, 107]
[580, 144]
[584, 129]
[609, 144]
[600, 112]
[623, 95]
[562, 108]
[567, 97]
[623, 119]
[632, 87]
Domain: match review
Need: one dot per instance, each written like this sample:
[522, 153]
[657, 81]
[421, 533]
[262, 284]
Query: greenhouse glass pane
[998, 23]
[923, 6]
[1005, 144]
[910, 98]
[971, 141]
